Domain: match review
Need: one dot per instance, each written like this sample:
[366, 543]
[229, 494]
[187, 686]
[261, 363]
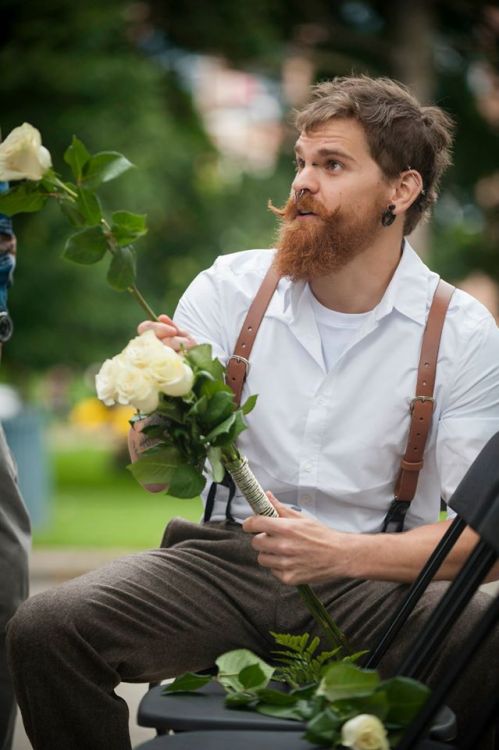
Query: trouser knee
[34, 629]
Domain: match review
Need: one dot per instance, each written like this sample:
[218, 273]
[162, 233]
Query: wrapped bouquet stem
[244, 478]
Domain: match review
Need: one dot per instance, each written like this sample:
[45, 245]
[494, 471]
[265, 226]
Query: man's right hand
[168, 332]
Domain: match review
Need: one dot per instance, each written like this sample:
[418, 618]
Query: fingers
[169, 321]
[257, 524]
[284, 510]
[168, 332]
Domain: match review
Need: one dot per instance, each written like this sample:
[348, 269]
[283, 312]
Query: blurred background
[199, 97]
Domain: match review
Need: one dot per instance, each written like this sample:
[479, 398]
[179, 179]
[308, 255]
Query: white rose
[22, 156]
[164, 366]
[146, 349]
[364, 732]
[179, 387]
[135, 387]
[105, 382]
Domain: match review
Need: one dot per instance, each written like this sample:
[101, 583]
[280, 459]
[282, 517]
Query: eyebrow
[323, 152]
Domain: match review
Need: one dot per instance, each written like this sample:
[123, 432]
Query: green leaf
[128, 227]
[122, 268]
[199, 407]
[232, 663]
[217, 467]
[344, 680]
[76, 155]
[249, 404]
[187, 683]
[220, 407]
[238, 426]
[186, 482]
[171, 408]
[253, 677]
[89, 206]
[278, 697]
[103, 167]
[325, 727]
[240, 700]
[200, 356]
[71, 212]
[156, 465]
[376, 704]
[281, 712]
[86, 247]
[212, 385]
[356, 656]
[222, 429]
[23, 198]
[405, 698]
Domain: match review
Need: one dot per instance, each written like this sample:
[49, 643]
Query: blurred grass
[97, 503]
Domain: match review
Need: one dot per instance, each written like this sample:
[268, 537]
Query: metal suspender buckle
[394, 519]
[422, 399]
[241, 359]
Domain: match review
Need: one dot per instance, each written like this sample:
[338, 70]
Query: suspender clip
[422, 399]
[394, 519]
[241, 359]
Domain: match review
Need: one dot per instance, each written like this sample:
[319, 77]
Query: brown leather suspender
[421, 406]
[238, 365]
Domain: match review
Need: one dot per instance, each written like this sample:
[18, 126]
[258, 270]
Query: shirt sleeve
[200, 312]
[471, 414]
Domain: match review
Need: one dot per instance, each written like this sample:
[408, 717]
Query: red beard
[312, 247]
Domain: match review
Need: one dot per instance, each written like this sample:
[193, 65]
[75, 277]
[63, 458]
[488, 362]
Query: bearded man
[334, 364]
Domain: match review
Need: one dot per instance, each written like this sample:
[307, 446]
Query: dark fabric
[5, 221]
[159, 613]
[14, 540]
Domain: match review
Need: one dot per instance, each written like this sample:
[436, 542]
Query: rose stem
[240, 471]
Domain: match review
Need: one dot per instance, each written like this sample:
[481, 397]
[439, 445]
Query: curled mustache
[293, 207]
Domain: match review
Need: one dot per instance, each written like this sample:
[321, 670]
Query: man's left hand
[298, 549]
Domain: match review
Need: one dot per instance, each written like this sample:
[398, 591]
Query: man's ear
[406, 189]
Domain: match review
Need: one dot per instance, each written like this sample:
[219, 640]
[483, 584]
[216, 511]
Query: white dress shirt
[330, 440]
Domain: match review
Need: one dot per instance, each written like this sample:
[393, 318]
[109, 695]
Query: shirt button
[305, 499]
[308, 466]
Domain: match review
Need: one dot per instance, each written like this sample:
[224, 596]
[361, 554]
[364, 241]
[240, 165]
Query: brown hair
[400, 132]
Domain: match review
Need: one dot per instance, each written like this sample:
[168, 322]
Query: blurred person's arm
[138, 442]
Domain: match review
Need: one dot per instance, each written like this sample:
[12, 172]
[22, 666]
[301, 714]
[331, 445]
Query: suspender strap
[421, 408]
[238, 364]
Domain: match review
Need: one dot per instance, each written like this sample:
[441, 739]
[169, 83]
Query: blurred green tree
[81, 73]
[107, 72]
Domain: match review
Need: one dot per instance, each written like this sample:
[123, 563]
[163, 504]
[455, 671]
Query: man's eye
[334, 166]
[299, 164]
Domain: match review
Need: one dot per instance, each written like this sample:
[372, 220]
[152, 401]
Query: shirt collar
[408, 290]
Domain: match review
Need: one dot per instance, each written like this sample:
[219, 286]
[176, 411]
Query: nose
[305, 179]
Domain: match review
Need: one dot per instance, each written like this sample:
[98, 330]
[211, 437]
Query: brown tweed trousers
[159, 613]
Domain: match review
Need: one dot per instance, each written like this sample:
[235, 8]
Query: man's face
[338, 196]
